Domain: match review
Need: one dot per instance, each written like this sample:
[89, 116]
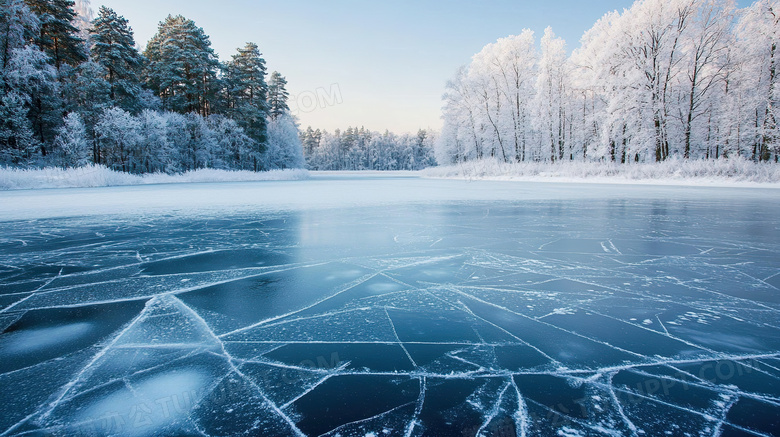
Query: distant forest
[360, 149]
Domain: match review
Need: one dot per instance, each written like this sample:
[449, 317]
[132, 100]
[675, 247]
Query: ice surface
[538, 310]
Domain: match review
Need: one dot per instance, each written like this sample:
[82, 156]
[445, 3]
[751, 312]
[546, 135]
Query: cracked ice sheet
[654, 316]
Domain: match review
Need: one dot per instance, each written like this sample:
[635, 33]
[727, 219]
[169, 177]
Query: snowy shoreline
[720, 173]
[99, 176]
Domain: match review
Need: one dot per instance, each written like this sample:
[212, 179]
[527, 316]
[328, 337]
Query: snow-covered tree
[72, 147]
[182, 67]
[461, 137]
[118, 134]
[489, 104]
[58, 37]
[695, 79]
[17, 142]
[361, 149]
[234, 148]
[155, 153]
[18, 25]
[550, 101]
[32, 78]
[284, 148]
[113, 47]
[248, 93]
[705, 45]
[88, 93]
[277, 95]
[758, 82]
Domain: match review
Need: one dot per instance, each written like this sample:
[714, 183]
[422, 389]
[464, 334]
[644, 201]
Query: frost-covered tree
[462, 134]
[113, 47]
[18, 25]
[311, 140]
[33, 79]
[248, 91]
[515, 61]
[234, 148]
[182, 67]
[758, 81]
[72, 147]
[277, 95]
[88, 93]
[705, 45]
[284, 148]
[156, 153]
[421, 155]
[201, 144]
[489, 104]
[550, 101]
[361, 149]
[118, 134]
[58, 37]
[694, 79]
[17, 142]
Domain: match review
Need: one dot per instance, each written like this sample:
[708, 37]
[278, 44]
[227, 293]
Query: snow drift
[674, 171]
[101, 176]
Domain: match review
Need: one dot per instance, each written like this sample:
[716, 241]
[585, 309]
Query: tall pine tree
[32, 90]
[17, 26]
[182, 67]
[58, 37]
[277, 95]
[113, 47]
[248, 94]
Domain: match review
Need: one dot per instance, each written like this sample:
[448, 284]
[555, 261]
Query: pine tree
[249, 92]
[114, 48]
[182, 67]
[30, 76]
[87, 93]
[17, 26]
[58, 37]
[277, 95]
[17, 142]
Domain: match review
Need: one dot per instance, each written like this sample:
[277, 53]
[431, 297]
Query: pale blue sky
[388, 59]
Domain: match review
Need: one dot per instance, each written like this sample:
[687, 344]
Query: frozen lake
[388, 306]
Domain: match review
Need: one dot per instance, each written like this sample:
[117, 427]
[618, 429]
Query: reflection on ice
[30, 341]
[147, 408]
[559, 317]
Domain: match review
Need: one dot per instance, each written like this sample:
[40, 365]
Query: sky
[382, 65]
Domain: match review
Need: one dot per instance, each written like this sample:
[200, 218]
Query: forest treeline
[361, 149]
[77, 91]
[689, 79]
[694, 79]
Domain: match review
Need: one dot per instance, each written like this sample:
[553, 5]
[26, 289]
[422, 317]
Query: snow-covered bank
[723, 172]
[100, 176]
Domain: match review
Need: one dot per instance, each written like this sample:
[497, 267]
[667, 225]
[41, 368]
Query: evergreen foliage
[113, 47]
[58, 37]
[277, 95]
[182, 67]
[62, 104]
